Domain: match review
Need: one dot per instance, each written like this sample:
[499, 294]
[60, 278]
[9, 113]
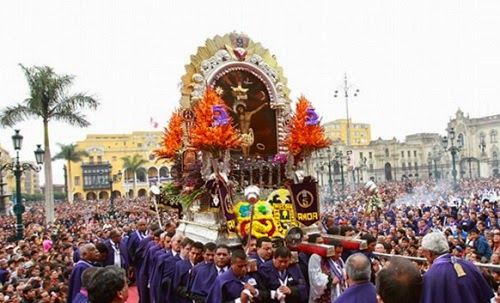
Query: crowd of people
[92, 253]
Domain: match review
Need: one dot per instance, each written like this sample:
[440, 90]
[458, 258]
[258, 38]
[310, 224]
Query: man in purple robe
[158, 258]
[282, 279]
[264, 250]
[235, 285]
[133, 243]
[143, 277]
[88, 255]
[358, 273]
[117, 250]
[167, 268]
[179, 291]
[451, 279]
[206, 274]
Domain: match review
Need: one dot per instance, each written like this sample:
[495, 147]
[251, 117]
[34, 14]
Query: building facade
[360, 133]
[90, 179]
[419, 156]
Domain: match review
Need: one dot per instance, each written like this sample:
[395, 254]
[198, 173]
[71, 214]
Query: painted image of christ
[244, 123]
[247, 100]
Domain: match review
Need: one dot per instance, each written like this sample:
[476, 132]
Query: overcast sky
[415, 62]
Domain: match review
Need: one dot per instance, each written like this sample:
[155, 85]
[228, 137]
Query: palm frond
[74, 118]
[12, 115]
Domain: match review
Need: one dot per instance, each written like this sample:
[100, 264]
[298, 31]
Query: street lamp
[330, 181]
[113, 179]
[338, 161]
[435, 156]
[347, 89]
[453, 149]
[18, 168]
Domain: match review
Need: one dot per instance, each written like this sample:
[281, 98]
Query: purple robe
[178, 291]
[155, 277]
[144, 271]
[358, 293]
[132, 245]
[227, 287]
[269, 275]
[110, 257]
[441, 281]
[166, 273]
[203, 281]
[137, 262]
[75, 280]
[81, 297]
[255, 256]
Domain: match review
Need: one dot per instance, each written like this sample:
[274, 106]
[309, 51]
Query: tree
[49, 100]
[132, 165]
[70, 153]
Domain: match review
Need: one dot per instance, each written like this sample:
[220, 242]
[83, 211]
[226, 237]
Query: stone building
[419, 156]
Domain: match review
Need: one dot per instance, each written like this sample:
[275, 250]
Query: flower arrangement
[172, 138]
[263, 224]
[213, 130]
[186, 189]
[306, 133]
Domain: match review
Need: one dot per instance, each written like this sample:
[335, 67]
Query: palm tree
[49, 100]
[70, 153]
[132, 165]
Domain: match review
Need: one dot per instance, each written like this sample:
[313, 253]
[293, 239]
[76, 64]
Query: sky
[415, 62]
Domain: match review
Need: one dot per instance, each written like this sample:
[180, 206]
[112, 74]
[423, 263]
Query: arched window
[493, 135]
[387, 152]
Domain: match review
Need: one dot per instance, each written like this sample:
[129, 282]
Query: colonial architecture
[419, 156]
[90, 179]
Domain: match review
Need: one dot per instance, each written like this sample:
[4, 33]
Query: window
[415, 153]
[387, 152]
[493, 135]
[370, 155]
[361, 155]
[113, 158]
[139, 144]
[409, 165]
[404, 165]
[416, 165]
[77, 180]
[99, 159]
[409, 154]
[402, 154]
[91, 159]
[371, 167]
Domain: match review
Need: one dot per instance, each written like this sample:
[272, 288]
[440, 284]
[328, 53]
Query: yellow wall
[360, 132]
[111, 148]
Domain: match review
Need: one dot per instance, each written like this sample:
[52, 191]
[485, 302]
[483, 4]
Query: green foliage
[70, 153]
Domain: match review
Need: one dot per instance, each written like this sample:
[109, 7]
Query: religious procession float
[241, 153]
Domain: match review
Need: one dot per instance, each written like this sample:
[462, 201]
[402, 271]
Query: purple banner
[220, 196]
[305, 202]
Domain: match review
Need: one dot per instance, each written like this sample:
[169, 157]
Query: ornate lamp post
[330, 180]
[338, 160]
[113, 179]
[347, 89]
[435, 156]
[18, 168]
[453, 149]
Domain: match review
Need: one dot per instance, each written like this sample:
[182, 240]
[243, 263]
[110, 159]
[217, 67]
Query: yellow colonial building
[90, 179]
[360, 133]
